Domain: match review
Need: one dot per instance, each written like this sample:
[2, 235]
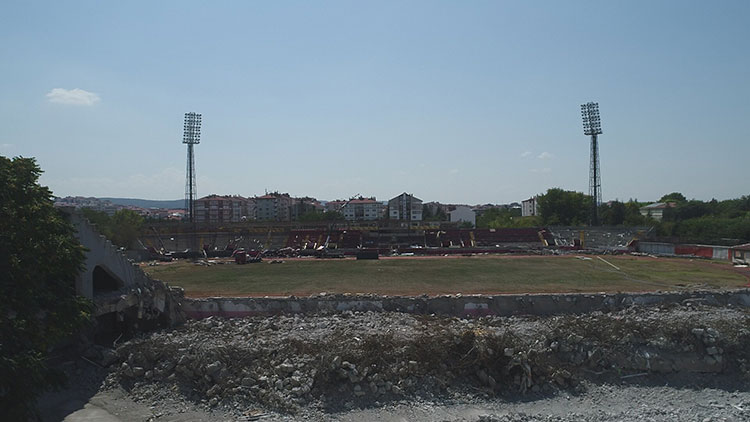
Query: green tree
[566, 208]
[720, 222]
[39, 261]
[495, 218]
[427, 213]
[438, 215]
[312, 216]
[612, 214]
[122, 228]
[126, 227]
[529, 221]
[101, 219]
[673, 197]
[733, 208]
[498, 218]
[633, 216]
[693, 209]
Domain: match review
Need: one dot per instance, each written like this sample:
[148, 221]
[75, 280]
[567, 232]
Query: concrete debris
[283, 363]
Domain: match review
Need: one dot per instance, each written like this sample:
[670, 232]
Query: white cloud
[75, 96]
[6, 148]
[525, 154]
[545, 155]
[453, 171]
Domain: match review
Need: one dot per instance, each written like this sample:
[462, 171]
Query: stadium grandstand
[426, 241]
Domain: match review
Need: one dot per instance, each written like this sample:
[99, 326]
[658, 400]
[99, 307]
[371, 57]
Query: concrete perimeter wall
[705, 251]
[456, 305]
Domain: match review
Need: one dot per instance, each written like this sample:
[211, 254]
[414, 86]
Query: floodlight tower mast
[592, 126]
[191, 136]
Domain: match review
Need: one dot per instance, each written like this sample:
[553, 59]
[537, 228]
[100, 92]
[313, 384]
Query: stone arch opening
[104, 281]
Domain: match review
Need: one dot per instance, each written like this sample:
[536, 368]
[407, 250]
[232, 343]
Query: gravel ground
[600, 402]
[682, 362]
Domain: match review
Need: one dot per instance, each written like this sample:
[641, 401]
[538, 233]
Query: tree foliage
[564, 208]
[725, 222]
[39, 261]
[708, 221]
[498, 218]
[633, 216]
[673, 197]
[569, 208]
[314, 215]
[122, 228]
[616, 213]
[438, 215]
[612, 214]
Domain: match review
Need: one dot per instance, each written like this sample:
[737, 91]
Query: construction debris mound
[358, 359]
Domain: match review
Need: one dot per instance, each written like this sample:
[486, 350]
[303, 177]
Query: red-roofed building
[222, 209]
[334, 206]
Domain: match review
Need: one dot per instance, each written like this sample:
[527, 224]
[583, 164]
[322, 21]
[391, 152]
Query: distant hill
[147, 203]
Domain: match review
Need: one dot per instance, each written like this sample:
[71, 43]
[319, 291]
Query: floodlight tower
[592, 126]
[191, 136]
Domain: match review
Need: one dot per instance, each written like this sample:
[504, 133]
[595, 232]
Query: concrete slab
[91, 413]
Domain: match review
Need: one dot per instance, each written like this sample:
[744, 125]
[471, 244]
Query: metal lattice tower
[592, 126]
[191, 136]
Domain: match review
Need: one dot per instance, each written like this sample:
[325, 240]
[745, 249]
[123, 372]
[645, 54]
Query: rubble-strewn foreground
[304, 365]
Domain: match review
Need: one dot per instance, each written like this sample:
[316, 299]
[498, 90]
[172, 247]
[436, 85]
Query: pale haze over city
[458, 102]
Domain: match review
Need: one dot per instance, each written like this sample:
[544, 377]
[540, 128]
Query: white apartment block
[528, 207]
[363, 209]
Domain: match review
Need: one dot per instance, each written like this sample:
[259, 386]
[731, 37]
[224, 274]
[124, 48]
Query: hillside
[147, 203]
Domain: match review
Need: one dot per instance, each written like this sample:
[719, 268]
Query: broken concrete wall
[116, 285]
[455, 305]
[603, 238]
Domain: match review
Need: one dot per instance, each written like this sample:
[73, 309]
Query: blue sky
[461, 102]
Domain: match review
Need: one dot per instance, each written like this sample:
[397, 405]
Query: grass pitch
[443, 275]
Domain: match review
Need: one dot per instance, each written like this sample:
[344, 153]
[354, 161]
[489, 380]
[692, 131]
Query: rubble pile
[348, 359]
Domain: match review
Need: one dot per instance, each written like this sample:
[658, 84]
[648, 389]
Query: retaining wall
[456, 305]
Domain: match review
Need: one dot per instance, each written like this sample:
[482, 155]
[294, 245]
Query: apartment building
[405, 207]
[222, 209]
[528, 207]
[274, 207]
[363, 209]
